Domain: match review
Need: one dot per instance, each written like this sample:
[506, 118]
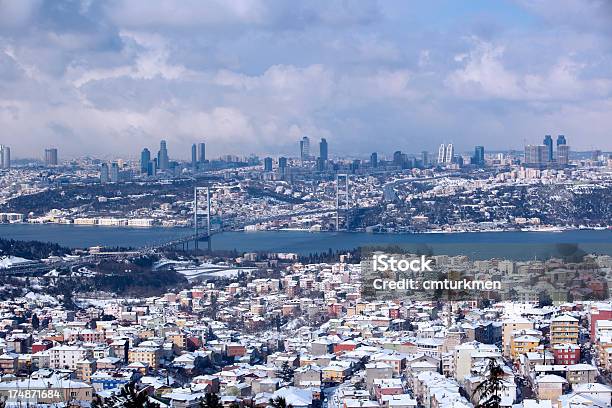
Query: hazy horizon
[109, 78]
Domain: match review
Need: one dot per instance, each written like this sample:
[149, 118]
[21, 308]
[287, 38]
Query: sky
[107, 78]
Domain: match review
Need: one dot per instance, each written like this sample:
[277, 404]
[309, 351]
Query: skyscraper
[162, 156]
[561, 140]
[114, 173]
[535, 155]
[425, 158]
[305, 148]
[441, 153]
[194, 156]
[323, 150]
[479, 159]
[563, 151]
[450, 153]
[268, 164]
[104, 174]
[202, 152]
[374, 160]
[51, 157]
[548, 142]
[398, 158]
[5, 157]
[282, 166]
[145, 159]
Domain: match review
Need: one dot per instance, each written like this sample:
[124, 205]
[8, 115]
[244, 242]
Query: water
[482, 245]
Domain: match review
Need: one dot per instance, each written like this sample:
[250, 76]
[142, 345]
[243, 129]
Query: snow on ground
[211, 270]
[41, 298]
[10, 261]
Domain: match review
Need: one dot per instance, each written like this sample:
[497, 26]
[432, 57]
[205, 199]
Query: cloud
[485, 76]
[111, 77]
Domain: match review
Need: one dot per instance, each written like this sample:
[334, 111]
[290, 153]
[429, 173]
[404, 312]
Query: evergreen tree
[488, 393]
[211, 401]
[279, 402]
[35, 322]
[286, 372]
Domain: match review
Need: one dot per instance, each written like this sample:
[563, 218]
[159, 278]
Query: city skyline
[106, 78]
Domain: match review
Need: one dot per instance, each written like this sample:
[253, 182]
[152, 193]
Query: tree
[211, 401]
[35, 322]
[128, 397]
[286, 372]
[544, 299]
[488, 393]
[279, 402]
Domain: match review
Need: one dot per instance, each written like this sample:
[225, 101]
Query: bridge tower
[342, 200]
[197, 192]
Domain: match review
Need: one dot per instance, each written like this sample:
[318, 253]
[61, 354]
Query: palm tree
[211, 401]
[279, 402]
[489, 391]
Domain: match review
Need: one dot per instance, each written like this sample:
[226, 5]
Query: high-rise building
[194, 156]
[323, 150]
[441, 153]
[374, 160]
[398, 158]
[595, 155]
[548, 142]
[282, 166]
[425, 158]
[163, 160]
[561, 140]
[479, 159]
[114, 173]
[104, 174]
[5, 157]
[563, 151]
[145, 160]
[305, 148]
[51, 157]
[535, 155]
[202, 152]
[450, 153]
[268, 164]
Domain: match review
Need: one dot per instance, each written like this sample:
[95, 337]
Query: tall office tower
[450, 153]
[282, 166]
[479, 156]
[114, 173]
[104, 174]
[535, 155]
[305, 148]
[398, 158]
[425, 158]
[374, 160]
[563, 151]
[202, 152]
[268, 164]
[145, 159]
[561, 140]
[441, 153]
[5, 157]
[51, 157]
[194, 156]
[162, 156]
[548, 142]
[323, 150]
[595, 155]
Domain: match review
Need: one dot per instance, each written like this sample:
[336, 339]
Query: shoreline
[548, 229]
